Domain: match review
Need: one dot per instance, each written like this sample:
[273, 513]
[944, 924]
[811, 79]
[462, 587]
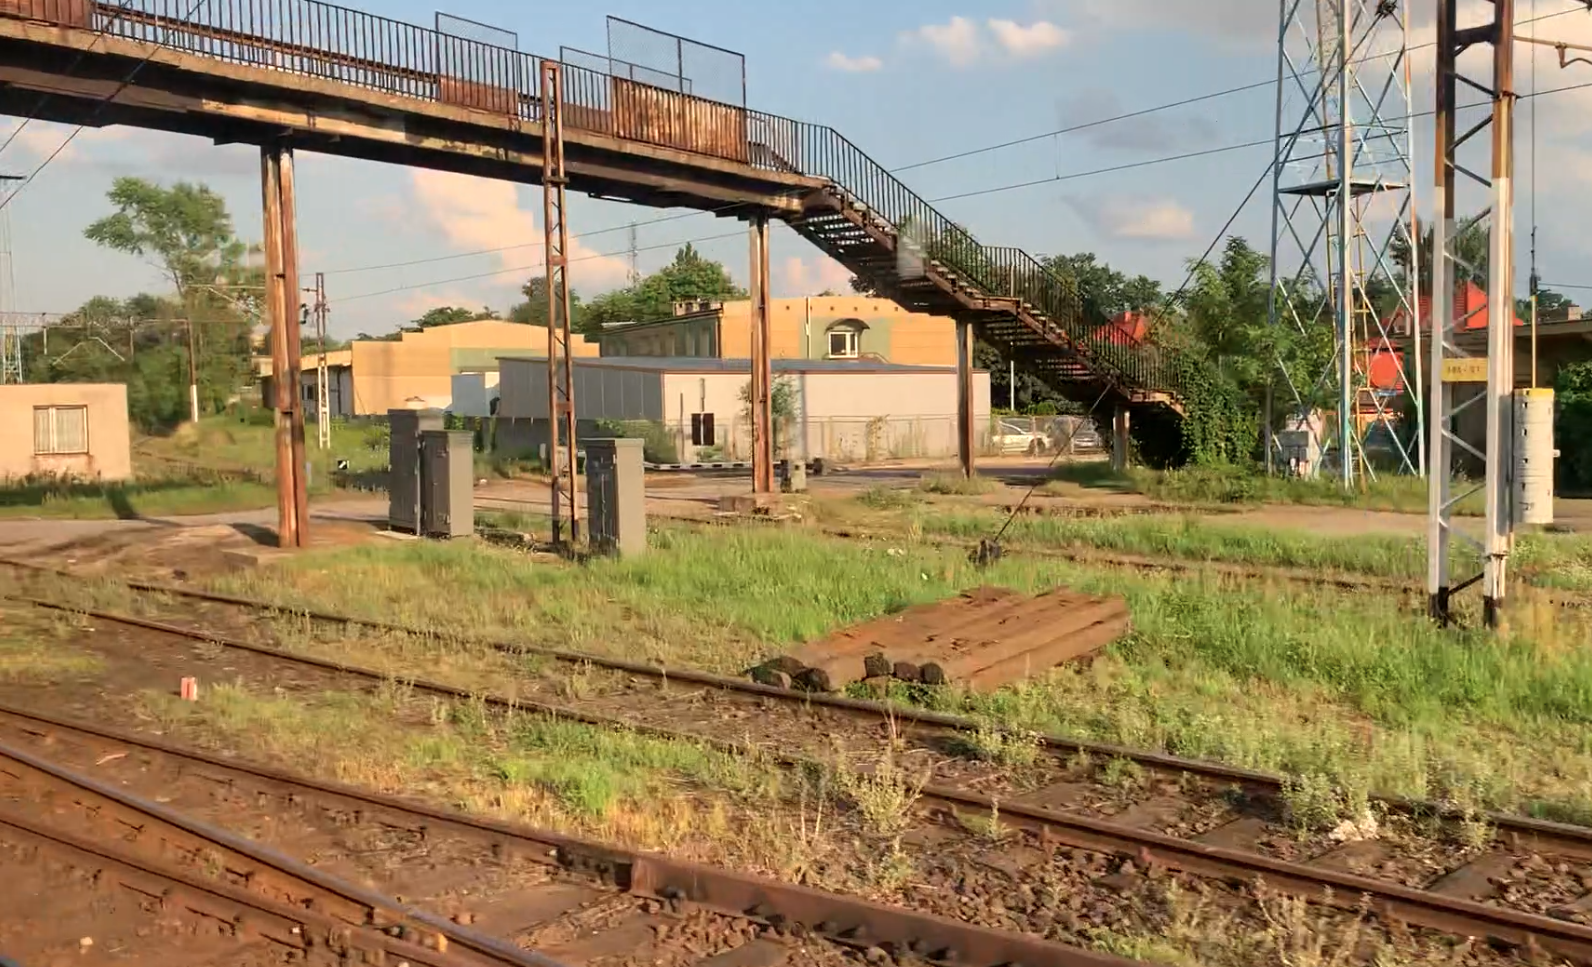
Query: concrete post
[1120, 441]
[616, 497]
[965, 448]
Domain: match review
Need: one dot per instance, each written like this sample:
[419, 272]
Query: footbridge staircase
[325, 78]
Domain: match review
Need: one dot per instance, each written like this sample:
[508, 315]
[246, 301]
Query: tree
[689, 277]
[533, 311]
[1104, 289]
[186, 232]
[451, 315]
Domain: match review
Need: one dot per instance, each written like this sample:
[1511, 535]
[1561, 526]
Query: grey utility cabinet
[403, 462]
[616, 497]
[447, 483]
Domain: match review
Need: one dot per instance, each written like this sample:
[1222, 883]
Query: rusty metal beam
[295, 348]
[560, 366]
[966, 438]
[284, 377]
[762, 389]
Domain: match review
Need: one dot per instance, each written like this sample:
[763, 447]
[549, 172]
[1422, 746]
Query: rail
[318, 39]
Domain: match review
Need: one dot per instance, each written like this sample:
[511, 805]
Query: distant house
[820, 327]
[1125, 329]
[66, 430]
[373, 376]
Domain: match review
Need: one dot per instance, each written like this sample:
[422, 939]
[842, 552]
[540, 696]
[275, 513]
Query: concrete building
[65, 429]
[417, 369]
[822, 327]
[692, 409]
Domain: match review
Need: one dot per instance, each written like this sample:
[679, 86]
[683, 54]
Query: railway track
[582, 902]
[207, 885]
[1529, 884]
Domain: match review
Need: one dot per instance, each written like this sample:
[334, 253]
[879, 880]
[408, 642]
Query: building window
[60, 430]
[844, 340]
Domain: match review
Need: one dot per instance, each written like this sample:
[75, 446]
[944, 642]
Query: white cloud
[867, 63]
[478, 214]
[958, 40]
[1036, 38]
[798, 277]
[1230, 22]
[1138, 219]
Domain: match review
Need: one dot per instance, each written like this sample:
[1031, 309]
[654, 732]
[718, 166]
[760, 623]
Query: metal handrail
[319, 39]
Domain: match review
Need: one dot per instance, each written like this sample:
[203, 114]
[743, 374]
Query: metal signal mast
[1465, 382]
[561, 452]
[1342, 254]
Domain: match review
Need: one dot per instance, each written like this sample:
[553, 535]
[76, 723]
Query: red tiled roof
[1125, 329]
[1471, 306]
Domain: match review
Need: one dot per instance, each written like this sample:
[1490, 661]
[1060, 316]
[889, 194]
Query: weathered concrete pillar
[965, 437]
[616, 497]
[1120, 440]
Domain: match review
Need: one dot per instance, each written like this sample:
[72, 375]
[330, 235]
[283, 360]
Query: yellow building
[821, 327]
[374, 375]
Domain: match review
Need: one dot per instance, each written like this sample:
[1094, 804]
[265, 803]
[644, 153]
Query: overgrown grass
[1548, 560]
[34, 648]
[1310, 682]
[94, 500]
[245, 443]
[954, 484]
[1243, 485]
[548, 772]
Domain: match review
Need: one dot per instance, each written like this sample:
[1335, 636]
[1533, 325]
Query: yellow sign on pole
[1467, 370]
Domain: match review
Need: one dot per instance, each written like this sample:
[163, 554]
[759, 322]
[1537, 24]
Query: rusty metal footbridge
[292, 75]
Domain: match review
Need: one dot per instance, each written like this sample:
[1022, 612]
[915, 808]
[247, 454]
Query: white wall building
[847, 411]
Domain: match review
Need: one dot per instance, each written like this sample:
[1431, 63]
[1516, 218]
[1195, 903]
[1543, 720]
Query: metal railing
[323, 40]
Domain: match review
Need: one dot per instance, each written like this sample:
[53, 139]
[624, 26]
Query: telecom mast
[1342, 256]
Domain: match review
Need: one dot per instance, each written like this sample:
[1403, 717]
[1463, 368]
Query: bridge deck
[232, 86]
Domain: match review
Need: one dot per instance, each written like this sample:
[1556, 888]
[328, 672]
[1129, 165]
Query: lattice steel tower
[1341, 250]
[11, 369]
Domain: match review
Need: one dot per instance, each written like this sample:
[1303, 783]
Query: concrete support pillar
[966, 439]
[616, 497]
[282, 304]
[762, 367]
[1120, 440]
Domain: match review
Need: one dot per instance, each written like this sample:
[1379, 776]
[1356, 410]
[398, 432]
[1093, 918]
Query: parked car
[1012, 438]
[1078, 431]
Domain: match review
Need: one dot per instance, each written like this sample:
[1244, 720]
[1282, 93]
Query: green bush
[1572, 425]
[657, 442]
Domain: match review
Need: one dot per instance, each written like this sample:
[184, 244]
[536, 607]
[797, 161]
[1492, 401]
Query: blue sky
[905, 82]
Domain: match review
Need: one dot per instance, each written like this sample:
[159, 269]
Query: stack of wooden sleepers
[982, 639]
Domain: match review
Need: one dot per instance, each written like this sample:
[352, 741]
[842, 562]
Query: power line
[1171, 105]
[532, 267]
[126, 81]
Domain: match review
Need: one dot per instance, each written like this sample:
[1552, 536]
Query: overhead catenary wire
[1184, 102]
[125, 83]
[986, 191]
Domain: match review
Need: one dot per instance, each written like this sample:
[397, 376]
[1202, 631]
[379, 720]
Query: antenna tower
[1342, 256]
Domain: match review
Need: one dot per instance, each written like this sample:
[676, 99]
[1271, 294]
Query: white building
[695, 409]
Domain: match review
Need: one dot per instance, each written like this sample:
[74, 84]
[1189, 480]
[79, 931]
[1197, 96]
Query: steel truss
[560, 365]
[1449, 365]
[1342, 215]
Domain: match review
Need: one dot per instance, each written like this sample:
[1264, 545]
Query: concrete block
[616, 497]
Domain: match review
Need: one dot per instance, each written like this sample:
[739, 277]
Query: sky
[908, 83]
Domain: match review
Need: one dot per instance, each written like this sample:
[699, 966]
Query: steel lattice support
[1344, 264]
[560, 365]
[1448, 363]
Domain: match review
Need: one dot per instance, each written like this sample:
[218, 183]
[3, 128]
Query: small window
[842, 344]
[702, 430]
[60, 429]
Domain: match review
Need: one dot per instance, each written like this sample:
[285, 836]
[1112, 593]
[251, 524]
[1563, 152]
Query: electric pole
[323, 407]
[1451, 366]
